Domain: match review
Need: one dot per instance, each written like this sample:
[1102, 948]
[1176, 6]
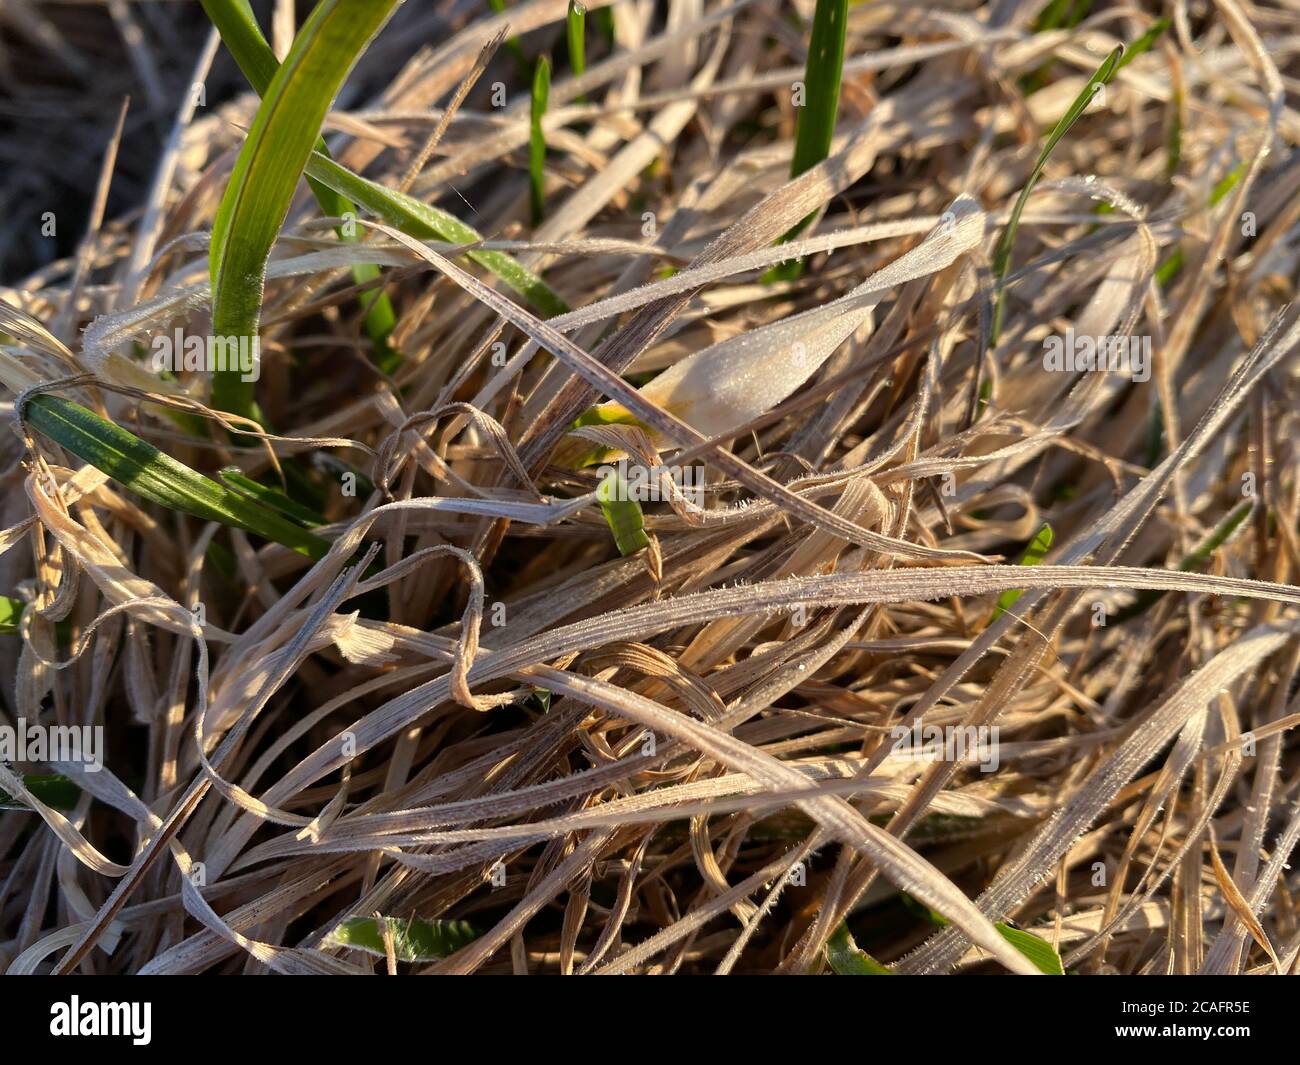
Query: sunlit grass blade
[576, 31]
[622, 514]
[847, 959]
[413, 940]
[270, 497]
[11, 612]
[425, 222]
[1034, 554]
[242, 35]
[823, 73]
[1002, 253]
[265, 176]
[537, 138]
[139, 466]
[815, 126]
[1033, 947]
[1040, 952]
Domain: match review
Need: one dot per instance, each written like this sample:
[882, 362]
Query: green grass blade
[605, 24]
[54, 790]
[622, 514]
[1058, 14]
[1051, 16]
[848, 959]
[425, 222]
[1198, 557]
[413, 940]
[1174, 138]
[823, 72]
[139, 466]
[1173, 265]
[269, 497]
[1145, 42]
[537, 138]
[11, 612]
[241, 34]
[1034, 554]
[815, 127]
[270, 163]
[576, 30]
[1002, 253]
[1033, 947]
[1036, 949]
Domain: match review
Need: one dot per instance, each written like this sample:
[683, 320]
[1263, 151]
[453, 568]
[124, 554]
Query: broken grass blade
[425, 222]
[622, 514]
[847, 959]
[413, 940]
[265, 177]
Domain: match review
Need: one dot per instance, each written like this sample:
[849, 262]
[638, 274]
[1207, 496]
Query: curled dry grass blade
[733, 729]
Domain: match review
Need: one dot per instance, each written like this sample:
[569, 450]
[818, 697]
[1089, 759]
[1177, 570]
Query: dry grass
[682, 760]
